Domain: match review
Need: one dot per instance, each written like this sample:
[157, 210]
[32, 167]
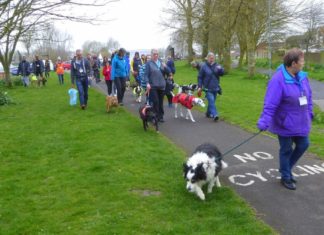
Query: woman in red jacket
[106, 71]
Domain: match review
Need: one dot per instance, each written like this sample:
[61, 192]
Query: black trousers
[120, 84]
[156, 99]
[109, 84]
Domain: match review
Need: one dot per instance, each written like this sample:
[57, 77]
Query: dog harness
[184, 99]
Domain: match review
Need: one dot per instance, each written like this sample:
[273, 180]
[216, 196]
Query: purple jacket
[282, 113]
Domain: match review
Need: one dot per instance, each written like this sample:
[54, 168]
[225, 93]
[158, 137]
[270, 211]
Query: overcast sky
[135, 25]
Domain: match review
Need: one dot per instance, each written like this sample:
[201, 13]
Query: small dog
[138, 91]
[187, 101]
[111, 101]
[147, 115]
[188, 89]
[202, 168]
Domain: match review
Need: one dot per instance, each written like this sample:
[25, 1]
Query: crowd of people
[287, 111]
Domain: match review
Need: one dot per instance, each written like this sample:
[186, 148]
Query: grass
[242, 101]
[68, 171]
[315, 71]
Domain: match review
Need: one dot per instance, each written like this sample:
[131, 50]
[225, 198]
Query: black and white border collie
[203, 168]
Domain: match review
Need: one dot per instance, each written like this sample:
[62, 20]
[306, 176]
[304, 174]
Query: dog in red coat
[187, 101]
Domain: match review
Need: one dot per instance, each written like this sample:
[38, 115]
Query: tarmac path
[253, 170]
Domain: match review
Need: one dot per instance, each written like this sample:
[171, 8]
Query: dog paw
[202, 197]
[193, 120]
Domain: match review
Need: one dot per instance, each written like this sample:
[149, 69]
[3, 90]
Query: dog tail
[224, 164]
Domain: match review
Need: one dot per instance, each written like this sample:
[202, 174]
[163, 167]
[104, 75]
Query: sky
[134, 24]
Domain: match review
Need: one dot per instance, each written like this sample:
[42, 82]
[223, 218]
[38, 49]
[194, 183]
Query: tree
[181, 14]
[112, 45]
[254, 18]
[19, 16]
[228, 13]
[311, 18]
[52, 43]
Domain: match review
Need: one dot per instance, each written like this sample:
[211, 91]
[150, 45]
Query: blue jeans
[288, 155]
[211, 109]
[61, 79]
[82, 85]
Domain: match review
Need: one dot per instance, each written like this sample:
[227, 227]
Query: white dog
[138, 91]
[203, 167]
[187, 101]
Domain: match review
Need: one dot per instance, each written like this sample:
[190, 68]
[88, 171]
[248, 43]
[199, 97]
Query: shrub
[4, 98]
[319, 117]
[17, 81]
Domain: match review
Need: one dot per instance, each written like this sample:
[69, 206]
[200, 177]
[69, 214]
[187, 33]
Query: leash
[245, 141]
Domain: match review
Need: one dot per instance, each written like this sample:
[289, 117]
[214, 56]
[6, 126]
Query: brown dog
[111, 101]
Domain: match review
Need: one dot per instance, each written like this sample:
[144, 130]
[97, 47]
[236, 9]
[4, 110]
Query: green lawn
[242, 102]
[68, 171]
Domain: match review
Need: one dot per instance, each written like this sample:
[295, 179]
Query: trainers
[161, 120]
[216, 118]
[121, 104]
[288, 184]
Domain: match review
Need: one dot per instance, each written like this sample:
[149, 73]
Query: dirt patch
[145, 192]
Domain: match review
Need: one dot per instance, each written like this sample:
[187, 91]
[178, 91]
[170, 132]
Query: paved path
[253, 171]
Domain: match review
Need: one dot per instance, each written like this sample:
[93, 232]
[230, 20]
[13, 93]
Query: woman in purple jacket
[288, 112]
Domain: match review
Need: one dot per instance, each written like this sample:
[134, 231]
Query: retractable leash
[245, 141]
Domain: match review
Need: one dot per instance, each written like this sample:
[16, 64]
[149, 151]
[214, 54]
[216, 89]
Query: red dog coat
[184, 99]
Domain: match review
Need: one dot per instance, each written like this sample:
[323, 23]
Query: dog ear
[185, 169]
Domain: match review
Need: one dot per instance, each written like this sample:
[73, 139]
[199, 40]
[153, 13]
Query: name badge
[302, 100]
[81, 70]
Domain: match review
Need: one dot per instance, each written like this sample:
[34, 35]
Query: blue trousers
[82, 85]
[211, 109]
[289, 154]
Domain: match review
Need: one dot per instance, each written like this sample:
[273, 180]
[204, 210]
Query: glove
[261, 126]
[199, 92]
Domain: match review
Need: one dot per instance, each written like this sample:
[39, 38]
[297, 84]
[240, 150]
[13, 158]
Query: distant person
[208, 79]
[156, 83]
[142, 75]
[170, 64]
[38, 70]
[143, 58]
[80, 70]
[24, 71]
[59, 70]
[47, 69]
[288, 113]
[91, 74]
[135, 65]
[106, 71]
[119, 72]
[96, 68]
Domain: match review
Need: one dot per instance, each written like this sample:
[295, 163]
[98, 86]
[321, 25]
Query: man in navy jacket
[24, 71]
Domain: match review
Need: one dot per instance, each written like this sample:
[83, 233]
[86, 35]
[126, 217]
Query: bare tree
[19, 16]
[311, 18]
[112, 45]
[52, 43]
[181, 14]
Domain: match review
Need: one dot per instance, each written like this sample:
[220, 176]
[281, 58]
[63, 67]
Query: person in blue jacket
[208, 78]
[119, 72]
